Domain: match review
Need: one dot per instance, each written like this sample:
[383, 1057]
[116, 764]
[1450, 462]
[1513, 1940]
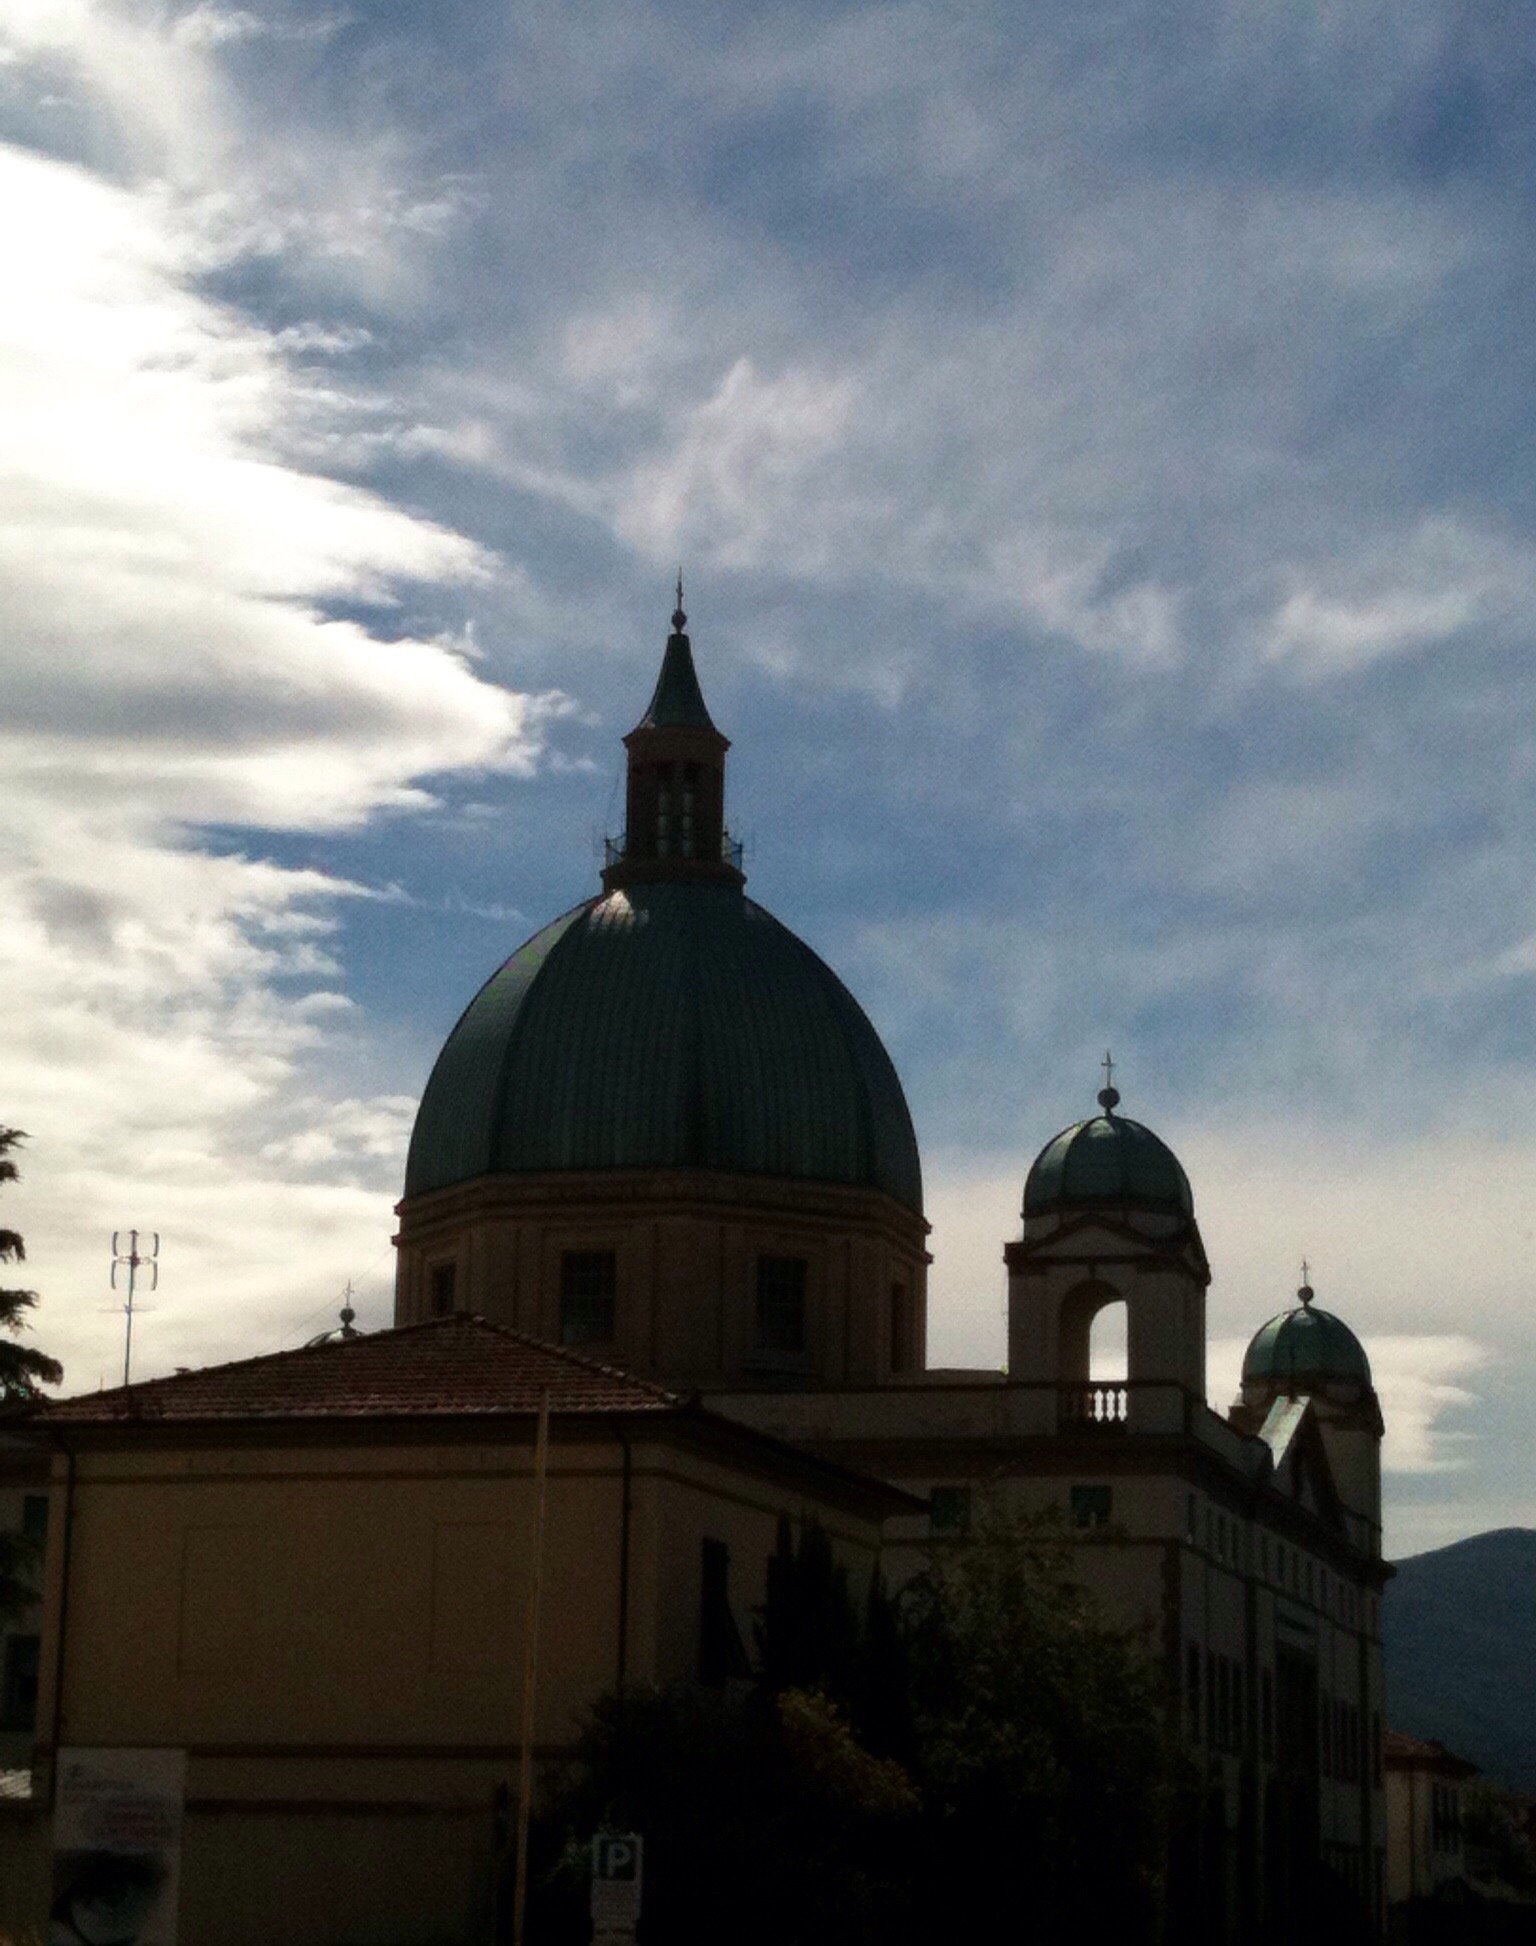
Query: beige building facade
[311, 1573]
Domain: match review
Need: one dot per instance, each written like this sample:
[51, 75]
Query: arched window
[1107, 1345]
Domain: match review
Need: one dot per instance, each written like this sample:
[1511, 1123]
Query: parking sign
[618, 1870]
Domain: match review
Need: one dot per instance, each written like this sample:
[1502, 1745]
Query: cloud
[175, 654]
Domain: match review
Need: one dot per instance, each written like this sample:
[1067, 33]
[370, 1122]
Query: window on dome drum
[949, 1510]
[589, 1282]
[1090, 1506]
[781, 1306]
[901, 1331]
[442, 1285]
[18, 1682]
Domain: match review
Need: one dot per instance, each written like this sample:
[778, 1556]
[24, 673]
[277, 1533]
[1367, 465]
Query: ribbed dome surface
[1300, 1350]
[1107, 1159]
[666, 1026]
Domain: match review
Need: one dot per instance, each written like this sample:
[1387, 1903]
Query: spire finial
[1109, 1094]
[1306, 1292]
[679, 619]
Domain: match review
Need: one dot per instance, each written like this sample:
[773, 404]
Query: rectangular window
[781, 1305]
[34, 1518]
[1192, 1689]
[901, 1330]
[949, 1510]
[18, 1682]
[443, 1286]
[1090, 1506]
[589, 1282]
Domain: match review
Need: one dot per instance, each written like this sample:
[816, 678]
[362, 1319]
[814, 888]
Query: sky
[1096, 443]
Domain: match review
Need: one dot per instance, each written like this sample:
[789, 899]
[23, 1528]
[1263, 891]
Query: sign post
[618, 1880]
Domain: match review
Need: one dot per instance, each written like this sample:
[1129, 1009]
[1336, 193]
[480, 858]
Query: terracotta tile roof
[455, 1367]
[1400, 1750]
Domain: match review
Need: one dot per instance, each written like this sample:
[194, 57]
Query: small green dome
[1107, 1159]
[1305, 1350]
[666, 1025]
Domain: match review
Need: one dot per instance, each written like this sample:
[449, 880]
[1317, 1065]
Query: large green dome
[666, 1025]
[1107, 1159]
[1305, 1350]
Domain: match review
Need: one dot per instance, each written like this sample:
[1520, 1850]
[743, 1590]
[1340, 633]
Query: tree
[1044, 1752]
[24, 1370]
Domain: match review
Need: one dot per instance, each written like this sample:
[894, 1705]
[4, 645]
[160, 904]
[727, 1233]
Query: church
[662, 1281]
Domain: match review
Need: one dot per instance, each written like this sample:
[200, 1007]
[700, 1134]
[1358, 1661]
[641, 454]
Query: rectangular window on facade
[1192, 1689]
[949, 1510]
[34, 1518]
[442, 1288]
[1090, 1506]
[781, 1305]
[721, 1654]
[18, 1682]
[589, 1283]
[900, 1329]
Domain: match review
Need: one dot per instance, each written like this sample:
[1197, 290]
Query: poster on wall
[117, 1847]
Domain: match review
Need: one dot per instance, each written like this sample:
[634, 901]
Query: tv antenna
[132, 1260]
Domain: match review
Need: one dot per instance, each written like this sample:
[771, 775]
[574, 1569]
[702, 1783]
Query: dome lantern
[674, 800]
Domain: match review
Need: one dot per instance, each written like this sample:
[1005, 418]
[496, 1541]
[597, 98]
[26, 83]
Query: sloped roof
[455, 1367]
[1401, 1750]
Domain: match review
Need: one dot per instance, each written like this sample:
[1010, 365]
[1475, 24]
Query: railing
[1093, 1408]
[615, 851]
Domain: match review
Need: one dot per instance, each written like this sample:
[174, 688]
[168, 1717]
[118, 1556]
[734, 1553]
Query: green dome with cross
[1107, 1159]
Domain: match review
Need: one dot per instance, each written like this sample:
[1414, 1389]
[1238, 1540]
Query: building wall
[1424, 1812]
[687, 1245]
[335, 1632]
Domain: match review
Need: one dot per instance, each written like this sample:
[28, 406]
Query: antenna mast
[133, 1260]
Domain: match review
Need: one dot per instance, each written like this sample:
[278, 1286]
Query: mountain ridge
[1459, 1646]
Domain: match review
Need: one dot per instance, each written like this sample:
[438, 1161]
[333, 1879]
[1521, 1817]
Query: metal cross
[1108, 1066]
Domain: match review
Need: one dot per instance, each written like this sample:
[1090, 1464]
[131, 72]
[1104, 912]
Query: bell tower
[1109, 1218]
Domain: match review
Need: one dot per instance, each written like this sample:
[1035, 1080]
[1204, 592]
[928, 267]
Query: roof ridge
[144, 1387]
[559, 1351]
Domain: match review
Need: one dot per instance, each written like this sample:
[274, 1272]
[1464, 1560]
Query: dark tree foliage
[983, 1752]
[765, 1823]
[1043, 1752]
[23, 1372]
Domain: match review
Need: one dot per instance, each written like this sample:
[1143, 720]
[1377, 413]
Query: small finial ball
[1306, 1293]
[1109, 1099]
[347, 1314]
